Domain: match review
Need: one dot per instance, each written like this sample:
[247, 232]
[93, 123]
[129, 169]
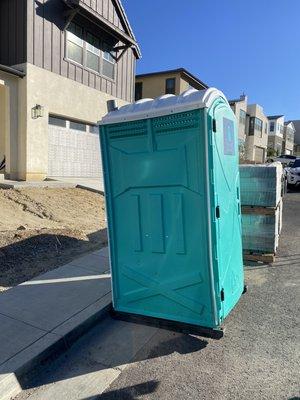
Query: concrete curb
[15, 372]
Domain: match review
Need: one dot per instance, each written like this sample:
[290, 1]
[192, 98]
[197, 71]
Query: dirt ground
[41, 229]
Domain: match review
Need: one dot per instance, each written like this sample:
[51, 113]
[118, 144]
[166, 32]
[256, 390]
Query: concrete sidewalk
[49, 312]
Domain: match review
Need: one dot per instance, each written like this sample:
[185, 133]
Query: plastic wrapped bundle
[261, 232]
[261, 185]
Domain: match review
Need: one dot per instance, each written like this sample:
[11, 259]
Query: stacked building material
[261, 200]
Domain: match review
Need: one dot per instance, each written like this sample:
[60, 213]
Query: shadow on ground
[113, 344]
[33, 253]
[128, 393]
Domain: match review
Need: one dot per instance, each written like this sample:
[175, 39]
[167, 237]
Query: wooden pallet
[257, 210]
[267, 258]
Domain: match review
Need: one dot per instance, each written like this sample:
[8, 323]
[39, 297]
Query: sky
[236, 46]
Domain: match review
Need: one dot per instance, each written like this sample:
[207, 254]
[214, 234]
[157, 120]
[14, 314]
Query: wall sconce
[37, 111]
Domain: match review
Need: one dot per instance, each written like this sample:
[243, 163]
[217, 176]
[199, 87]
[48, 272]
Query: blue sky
[237, 46]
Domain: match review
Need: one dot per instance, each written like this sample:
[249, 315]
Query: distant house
[276, 132]
[252, 129]
[173, 81]
[288, 138]
[296, 124]
[60, 61]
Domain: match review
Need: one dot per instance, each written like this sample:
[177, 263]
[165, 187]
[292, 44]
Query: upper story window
[256, 124]
[138, 91]
[75, 43]
[85, 49]
[170, 86]
[272, 126]
[242, 117]
[108, 56]
[266, 127]
[281, 129]
[92, 52]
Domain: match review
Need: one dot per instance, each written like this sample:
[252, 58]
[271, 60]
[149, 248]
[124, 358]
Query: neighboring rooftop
[274, 116]
[243, 97]
[185, 73]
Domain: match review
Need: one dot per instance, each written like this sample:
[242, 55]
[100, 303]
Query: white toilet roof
[164, 105]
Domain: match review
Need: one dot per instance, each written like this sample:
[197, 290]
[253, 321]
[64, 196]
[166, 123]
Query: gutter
[12, 71]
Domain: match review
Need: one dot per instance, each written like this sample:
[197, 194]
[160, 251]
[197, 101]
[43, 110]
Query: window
[108, 67]
[75, 43]
[266, 127]
[296, 164]
[281, 129]
[272, 126]
[242, 117]
[92, 52]
[170, 86]
[94, 129]
[86, 49]
[138, 91]
[256, 124]
[251, 126]
[78, 126]
[57, 121]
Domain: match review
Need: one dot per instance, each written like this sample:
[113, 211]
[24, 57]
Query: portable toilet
[173, 206]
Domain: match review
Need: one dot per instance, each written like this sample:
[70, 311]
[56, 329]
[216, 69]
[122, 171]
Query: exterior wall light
[37, 111]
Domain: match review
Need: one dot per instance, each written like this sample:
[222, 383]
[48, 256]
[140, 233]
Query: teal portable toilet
[173, 205]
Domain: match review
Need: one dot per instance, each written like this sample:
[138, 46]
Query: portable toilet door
[226, 207]
[172, 192]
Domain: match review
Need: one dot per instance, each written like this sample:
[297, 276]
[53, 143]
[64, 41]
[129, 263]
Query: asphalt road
[258, 358]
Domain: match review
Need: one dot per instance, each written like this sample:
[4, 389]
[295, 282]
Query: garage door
[74, 149]
[259, 154]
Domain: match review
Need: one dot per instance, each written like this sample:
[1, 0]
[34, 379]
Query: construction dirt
[42, 229]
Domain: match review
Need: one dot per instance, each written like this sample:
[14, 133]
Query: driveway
[258, 358]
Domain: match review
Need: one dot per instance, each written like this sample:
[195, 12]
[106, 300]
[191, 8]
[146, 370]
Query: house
[60, 61]
[296, 124]
[174, 81]
[252, 129]
[288, 138]
[257, 139]
[275, 138]
[239, 107]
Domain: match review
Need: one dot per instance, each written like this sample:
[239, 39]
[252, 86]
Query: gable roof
[181, 71]
[274, 116]
[122, 12]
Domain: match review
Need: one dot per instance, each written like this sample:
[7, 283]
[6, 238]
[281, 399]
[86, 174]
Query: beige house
[174, 81]
[257, 139]
[239, 107]
[296, 124]
[288, 138]
[276, 131]
[55, 82]
[252, 129]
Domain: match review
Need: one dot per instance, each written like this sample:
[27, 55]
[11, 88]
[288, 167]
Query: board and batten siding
[46, 47]
[12, 32]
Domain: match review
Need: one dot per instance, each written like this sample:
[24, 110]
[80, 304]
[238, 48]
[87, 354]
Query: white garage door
[259, 154]
[74, 149]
